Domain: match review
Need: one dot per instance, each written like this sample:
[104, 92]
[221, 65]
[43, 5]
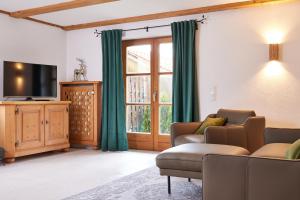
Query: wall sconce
[273, 52]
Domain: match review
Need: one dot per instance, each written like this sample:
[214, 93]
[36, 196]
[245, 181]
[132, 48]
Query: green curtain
[185, 95]
[114, 137]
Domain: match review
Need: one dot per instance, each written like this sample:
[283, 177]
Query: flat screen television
[29, 80]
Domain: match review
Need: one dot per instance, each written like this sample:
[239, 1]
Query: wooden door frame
[161, 142]
[152, 141]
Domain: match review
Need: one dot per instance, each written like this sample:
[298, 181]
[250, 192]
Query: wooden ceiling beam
[57, 7]
[201, 10]
[34, 20]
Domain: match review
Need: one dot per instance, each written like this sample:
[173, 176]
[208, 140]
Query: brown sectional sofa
[264, 175]
[241, 135]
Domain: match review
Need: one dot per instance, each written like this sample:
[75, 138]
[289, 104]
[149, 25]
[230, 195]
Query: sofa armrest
[183, 128]
[224, 177]
[229, 135]
[243, 177]
[281, 135]
[255, 127]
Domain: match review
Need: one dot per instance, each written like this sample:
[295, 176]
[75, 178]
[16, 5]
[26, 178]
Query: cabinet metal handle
[17, 111]
[42, 122]
[47, 122]
[17, 143]
[91, 93]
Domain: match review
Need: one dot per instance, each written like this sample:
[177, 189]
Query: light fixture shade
[274, 51]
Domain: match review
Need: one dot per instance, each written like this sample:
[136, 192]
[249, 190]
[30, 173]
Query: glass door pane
[165, 87]
[165, 119]
[165, 57]
[138, 59]
[138, 119]
[138, 89]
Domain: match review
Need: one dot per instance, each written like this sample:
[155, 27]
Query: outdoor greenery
[146, 123]
[165, 114]
[165, 117]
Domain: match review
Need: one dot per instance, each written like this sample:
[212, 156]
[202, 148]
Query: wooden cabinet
[33, 127]
[85, 112]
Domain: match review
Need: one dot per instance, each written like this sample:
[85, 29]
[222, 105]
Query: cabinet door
[81, 112]
[56, 124]
[29, 126]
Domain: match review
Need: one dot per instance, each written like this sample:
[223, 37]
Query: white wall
[26, 41]
[232, 54]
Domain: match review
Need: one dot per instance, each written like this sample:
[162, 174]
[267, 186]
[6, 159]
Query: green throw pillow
[293, 151]
[218, 121]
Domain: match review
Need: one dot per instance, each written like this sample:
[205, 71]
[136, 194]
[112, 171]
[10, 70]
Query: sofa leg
[189, 179]
[169, 185]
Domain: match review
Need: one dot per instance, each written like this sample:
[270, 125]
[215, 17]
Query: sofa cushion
[293, 151]
[235, 116]
[274, 150]
[188, 157]
[210, 121]
[190, 138]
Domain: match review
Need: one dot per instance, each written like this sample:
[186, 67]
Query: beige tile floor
[54, 176]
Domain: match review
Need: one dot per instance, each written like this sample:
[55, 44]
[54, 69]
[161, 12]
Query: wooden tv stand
[30, 127]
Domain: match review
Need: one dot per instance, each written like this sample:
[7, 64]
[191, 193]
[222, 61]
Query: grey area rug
[144, 185]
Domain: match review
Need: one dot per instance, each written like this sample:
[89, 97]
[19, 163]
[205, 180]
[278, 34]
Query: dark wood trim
[4, 12]
[136, 74]
[57, 7]
[138, 104]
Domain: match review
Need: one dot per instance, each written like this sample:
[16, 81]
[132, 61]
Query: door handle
[46, 122]
[17, 143]
[154, 96]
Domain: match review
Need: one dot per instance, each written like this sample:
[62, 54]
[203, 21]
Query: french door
[148, 88]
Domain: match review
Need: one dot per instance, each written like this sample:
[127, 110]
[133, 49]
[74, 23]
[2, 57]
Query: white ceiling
[112, 10]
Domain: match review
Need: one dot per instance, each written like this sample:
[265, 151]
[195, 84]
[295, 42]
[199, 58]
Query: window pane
[138, 89]
[138, 59]
[165, 88]
[138, 119]
[165, 57]
[165, 118]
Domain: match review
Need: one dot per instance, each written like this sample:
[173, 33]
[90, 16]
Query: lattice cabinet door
[84, 112]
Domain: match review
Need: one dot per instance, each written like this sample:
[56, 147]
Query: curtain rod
[98, 33]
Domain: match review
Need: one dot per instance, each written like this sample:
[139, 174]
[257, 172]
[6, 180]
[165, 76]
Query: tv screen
[29, 80]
